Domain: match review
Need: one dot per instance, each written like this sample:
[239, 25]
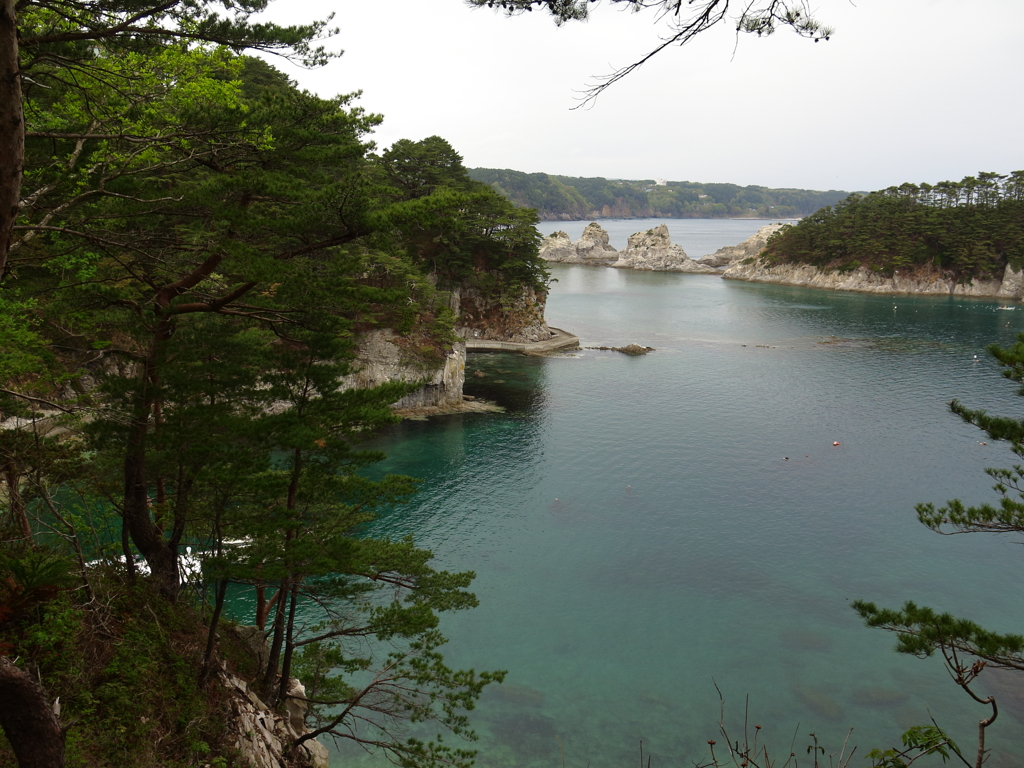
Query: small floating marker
[835, 442]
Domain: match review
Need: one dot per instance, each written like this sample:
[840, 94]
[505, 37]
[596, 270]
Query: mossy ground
[125, 667]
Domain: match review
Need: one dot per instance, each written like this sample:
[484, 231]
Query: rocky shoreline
[653, 251]
[648, 251]
[922, 282]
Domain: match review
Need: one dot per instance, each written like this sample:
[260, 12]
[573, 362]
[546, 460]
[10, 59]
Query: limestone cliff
[517, 316]
[922, 281]
[383, 356]
[592, 247]
[654, 250]
[751, 247]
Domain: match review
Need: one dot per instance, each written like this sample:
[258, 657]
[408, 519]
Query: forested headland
[972, 228]
[198, 246]
[567, 198]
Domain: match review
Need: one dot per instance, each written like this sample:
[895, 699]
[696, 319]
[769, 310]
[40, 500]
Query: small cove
[639, 535]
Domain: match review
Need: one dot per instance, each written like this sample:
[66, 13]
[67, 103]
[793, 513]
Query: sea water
[657, 537]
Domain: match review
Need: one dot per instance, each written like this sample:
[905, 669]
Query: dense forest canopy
[570, 198]
[968, 228]
[197, 247]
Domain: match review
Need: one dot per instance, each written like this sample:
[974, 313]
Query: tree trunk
[211, 637]
[28, 721]
[289, 643]
[12, 128]
[274, 657]
[161, 555]
[18, 511]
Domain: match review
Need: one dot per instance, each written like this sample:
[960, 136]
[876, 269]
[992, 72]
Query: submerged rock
[630, 349]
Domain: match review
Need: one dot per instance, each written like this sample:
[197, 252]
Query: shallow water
[640, 536]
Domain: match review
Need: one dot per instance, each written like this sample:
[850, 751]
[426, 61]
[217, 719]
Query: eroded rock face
[262, 736]
[751, 247]
[653, 250]
[592, 247]
[383, 356]
[557, 247]
[518, 318]
[922, 281]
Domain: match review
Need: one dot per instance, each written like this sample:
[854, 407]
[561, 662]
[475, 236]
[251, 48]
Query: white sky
[906, 90]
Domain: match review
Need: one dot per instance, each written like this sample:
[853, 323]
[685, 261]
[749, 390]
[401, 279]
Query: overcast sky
[906, 90]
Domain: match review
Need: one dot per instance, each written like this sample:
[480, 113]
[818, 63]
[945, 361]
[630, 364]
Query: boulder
[749, 248]
[653, 250]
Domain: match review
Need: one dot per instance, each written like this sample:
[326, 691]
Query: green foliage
[972, 228]
[202, 243]
[455, 228]
[918, 741]
[557, 197]
[922, 631]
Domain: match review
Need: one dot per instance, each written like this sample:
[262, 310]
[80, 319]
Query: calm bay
[644, 529]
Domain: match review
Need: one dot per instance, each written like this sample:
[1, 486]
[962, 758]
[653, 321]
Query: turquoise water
[639, 536]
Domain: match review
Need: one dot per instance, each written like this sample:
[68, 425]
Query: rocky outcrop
[517, 318]
[557, 247]
[653, 250]
[262, 736]
[592, 247]
[383, 356]
[749, 248]
[923, 281]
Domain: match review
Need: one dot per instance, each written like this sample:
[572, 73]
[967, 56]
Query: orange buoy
[835, 442]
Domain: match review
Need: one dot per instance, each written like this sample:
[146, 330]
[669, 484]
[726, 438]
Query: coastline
[921, 282]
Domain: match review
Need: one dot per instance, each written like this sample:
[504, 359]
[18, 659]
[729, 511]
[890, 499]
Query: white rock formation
[1010, 287]
[557, 247]
[591, 248]
[751, 247]
[381, 358]
[653, 250]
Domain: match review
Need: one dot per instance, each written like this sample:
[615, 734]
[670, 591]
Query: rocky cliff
[654, 250]
[923, 281]
[751, 247]
[384, 356]
[517, 316]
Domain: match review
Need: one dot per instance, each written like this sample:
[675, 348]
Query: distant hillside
[567, 198]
